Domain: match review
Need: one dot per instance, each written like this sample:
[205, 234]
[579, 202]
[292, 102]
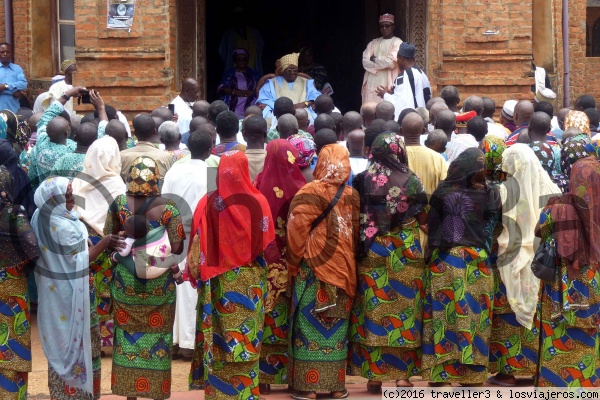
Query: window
[66, 30]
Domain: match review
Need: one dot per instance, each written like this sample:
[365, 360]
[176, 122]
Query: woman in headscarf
[66, 307]
[18, 252]
[493, 147]
[23, 194]
[10, 133]
[279, 182]
[99, 184]
[320, 255]
[307, 150]
[238, 85]
[579, 120]
[385, 324]
[144, 309]
[574, 148]
[231, 229]
[570, 303]
[465, 209]
[515, 332]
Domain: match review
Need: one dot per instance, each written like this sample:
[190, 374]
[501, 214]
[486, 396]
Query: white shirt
[459, 144]
[358, 165]
[184, 114]
[402, 97]
[495, 129]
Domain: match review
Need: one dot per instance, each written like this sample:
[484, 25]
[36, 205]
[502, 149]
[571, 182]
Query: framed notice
[120, 14]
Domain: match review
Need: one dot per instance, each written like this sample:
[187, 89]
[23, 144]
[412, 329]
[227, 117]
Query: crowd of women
[303, 282]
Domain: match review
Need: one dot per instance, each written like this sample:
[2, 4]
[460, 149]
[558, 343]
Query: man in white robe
[186, 181]
[379, 60]
[184, 103]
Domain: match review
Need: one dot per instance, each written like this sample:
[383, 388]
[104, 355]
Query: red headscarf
[279, 182]
[231, 225]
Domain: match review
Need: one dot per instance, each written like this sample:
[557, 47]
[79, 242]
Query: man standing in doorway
[379, 60]
[12, 80]
[184, 103]
[411, 88]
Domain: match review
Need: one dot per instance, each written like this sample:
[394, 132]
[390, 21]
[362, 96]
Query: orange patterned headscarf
[579, 120]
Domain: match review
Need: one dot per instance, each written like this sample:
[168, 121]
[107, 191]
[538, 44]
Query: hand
[299, 105]
[381, 90]
[175, 118]
[373, 58]
[247, 93]
[115, 243]
[17, 94]
[96, 100]
[76, 91]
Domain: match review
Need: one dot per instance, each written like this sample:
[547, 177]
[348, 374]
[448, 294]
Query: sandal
[342, 395]
[494, 380]
[304, 396]
[374, 387]
[264, 388]
[406, 383]
[439, 384]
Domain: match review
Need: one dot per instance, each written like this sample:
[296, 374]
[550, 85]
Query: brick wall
[2, 20]
[459, 54]
[133, 70]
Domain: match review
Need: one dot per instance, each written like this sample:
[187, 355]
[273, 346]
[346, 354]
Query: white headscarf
[525, 192]
[103, 165]
[62, 277]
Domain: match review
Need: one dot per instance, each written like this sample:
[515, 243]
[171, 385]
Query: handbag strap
[144, 207]
[332, 204]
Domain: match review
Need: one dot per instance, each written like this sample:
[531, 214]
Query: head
[254, 110]
[539, 125]
[451, 97]
[86, 134]
[58, 130]
[584, 102]
[288, 65]
[356, 143]
[200, 144]
[352, 121]
[338, 120]
[324, 121]
[240, 58]
[594, 117]
[406, 56]
[392, 126]
[435, 109]
[306, 148]
[374, 130]
[283, 105]
[287, 125]
[228, 124]
[136, 226]
[489, 107]
[67, 68]
[158, 121]
[422, 111]
[5, 53]
[210, 130]
[163, 113]
[200, 109]
[190, 90]
[302, 117]
[478, 127]
[196, 122]
[578, 119]
[412, 127]
[367, 112]
[560, 117]
[33, 121]
[323, 104]
[116, 130]
[75, 123]
[432, 101]
[143, 177]
[89, 117]
[144, 127]
[446, 121]
[324, 137]
[507, 115]
[169, 134]
[544, 106]
[255, 130]
[473, 103]
[386, 25]
[385, 111]
[437, 140]
[404, 113]
[216, 108]
[523, 112]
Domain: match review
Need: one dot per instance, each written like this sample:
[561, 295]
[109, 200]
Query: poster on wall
[120, 14]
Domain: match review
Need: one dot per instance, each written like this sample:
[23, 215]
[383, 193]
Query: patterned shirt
[274, 134]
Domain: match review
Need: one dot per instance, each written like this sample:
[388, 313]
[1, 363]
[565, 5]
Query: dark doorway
[335, 29]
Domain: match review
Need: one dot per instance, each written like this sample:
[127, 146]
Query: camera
[84, 98]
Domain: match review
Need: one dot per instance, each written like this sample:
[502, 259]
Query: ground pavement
[38, 379]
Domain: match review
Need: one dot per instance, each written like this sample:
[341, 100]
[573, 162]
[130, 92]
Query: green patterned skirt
[385, 324]
[457, 316]
[274, 353]
[319, 343]
[144, 313]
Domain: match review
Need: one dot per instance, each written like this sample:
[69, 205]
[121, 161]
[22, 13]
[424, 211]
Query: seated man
[302, 91]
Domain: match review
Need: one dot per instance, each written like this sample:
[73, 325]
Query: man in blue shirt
[12, 80]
